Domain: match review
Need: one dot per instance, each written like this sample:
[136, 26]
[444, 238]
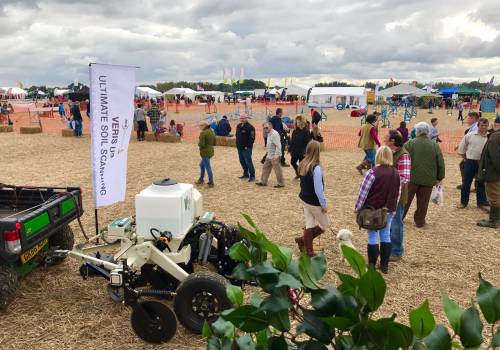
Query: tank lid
[165, 182]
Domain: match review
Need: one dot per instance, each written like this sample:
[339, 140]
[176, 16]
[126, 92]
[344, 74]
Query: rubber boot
[308, 241]
[493, 221]
[300, 241]
[385, 255]
[373, 252]
[362, 166]
[317, 231]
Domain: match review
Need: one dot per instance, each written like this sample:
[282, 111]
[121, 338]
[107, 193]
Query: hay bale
[168, 138]
[67, 132]
[226, 141]
[30, 130]
[6, 128]
[149, 136]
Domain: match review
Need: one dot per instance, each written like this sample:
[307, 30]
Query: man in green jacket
[489, 173]
[427, 171]
[206, 144]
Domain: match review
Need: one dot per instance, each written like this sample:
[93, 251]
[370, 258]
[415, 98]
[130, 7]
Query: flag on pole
[268, 83]
[199, 87]
[286, 81]
[227, 75]
[112, 91]
[491, 80]
[242, 75]
[224, 78]
[377, 87]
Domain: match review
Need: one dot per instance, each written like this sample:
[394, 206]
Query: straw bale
[6, 128]
[67, 132]
[30, 129]
[168, 138]
[227, 141]
[149, 136]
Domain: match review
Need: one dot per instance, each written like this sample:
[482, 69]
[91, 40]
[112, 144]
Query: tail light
[13, 240]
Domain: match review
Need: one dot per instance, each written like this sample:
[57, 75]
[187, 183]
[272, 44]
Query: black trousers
[141, 128]
[294, 161]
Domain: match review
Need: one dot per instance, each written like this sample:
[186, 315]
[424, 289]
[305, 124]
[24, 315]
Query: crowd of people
[396, 171]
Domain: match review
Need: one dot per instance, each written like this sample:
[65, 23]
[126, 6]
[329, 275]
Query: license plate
[28, 255]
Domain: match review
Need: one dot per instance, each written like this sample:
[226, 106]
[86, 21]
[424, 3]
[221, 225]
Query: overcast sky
[51, 42]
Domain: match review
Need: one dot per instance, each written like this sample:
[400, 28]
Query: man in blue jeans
[245, 137]
[470, 149]
[402, 162]
[77, 118]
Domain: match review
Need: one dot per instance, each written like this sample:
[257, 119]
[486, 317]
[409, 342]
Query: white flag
[112, 109]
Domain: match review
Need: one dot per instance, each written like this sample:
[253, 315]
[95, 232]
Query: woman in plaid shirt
[380, 189]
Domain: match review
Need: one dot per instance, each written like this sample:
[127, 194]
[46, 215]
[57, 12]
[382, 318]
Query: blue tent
[447, 92]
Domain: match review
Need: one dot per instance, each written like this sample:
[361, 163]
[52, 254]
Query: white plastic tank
[165, 205]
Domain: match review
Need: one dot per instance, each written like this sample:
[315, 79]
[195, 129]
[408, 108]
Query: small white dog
[344, 237]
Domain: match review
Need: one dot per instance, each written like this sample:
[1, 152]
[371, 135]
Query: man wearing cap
[489, 173]
[245, 137]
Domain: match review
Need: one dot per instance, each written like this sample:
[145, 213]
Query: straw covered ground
[55, 308]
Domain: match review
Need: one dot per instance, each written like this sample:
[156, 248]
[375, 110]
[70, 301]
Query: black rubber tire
[9, 282]
[153, 322]
[200, 285]
[64, 240]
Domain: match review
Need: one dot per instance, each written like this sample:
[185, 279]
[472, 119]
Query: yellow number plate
[28, 255]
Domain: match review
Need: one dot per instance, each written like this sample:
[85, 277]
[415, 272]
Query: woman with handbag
[377, 201]
[312, 196]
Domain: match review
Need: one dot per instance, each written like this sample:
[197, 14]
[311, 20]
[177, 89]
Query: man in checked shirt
[402, 162]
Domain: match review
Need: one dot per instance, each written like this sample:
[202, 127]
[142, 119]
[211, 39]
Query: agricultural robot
[150, 257]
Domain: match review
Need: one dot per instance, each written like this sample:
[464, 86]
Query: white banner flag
[112, 109]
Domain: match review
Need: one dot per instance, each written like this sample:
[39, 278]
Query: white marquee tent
[331, 97]
[60, 92]
[144, 91]
[402, 90]
[297, 89]
[13, 92]
[187, 92]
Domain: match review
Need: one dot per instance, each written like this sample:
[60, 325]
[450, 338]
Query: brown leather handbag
[372, 219]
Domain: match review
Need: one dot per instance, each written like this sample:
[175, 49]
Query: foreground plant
[341, 317]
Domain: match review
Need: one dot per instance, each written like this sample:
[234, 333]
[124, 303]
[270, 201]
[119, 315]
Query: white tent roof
[338, 91]
[60, 92]
[13, 90]
[40, 92]
[180, 91]
[297, 89]
[145, 91]
[402, 89]
[211, 93]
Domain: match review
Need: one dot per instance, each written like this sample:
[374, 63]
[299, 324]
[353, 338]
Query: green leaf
[318, 263]
[241, 272]
[245, 342]
[438, 339]
[399, 336]
[256, 299]
[262, 337]
[227, 344]
[286, 279]
[206, 331]
[263, 268]
[235, 294]
[422, 321]
[488, 298]
[239, 252]
[277, 301]
[249, 220]
[349, 283]
[277, 343]
[222, 328]
[328, 301]
[314, 327]
[471, 328]
[372, 288]
[293, 269]
[268, 282]
[307, 275]
[247, 318]
[337, 322]
[281, 256]
[312, 345]
[213, 343]
[496, 339]
[453, 313]
[280, 320]
[354, 259]
[249, 235]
